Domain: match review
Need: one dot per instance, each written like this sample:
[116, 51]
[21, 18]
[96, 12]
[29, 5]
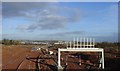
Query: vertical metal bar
[84, 41]
[102, 59]
[77, 42]
[59, 57]
[74, 42]
[80, 42]
[93, 42]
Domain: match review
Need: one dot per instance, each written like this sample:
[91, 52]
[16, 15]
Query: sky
[60, 20]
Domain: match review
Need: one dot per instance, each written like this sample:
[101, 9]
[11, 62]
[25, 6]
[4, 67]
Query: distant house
[22, 42]
[59, 42]
[34, 42]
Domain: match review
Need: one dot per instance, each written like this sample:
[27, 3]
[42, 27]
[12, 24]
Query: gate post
[59, 57]
[102, 59]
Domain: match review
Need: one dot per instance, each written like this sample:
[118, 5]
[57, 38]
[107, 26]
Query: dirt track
[14, 57]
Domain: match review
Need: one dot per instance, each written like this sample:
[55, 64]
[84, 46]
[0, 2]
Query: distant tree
[0, 42]
[10, 42]
[5, 41]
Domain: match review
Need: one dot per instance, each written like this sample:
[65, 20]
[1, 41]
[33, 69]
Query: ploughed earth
[19, 57]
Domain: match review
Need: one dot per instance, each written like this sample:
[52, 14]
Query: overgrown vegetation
[10, 42]
[107, 44]
[110, 45]
[0, 41]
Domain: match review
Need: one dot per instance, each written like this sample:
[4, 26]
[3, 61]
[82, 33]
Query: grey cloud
[68, 35]
[72, 33]
[109, 38]
[113, 37]
[44, 16]
[63, 36]
[50, 19]
[46, 23]
[13, 9]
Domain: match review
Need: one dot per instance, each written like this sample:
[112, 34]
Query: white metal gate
[85, 45]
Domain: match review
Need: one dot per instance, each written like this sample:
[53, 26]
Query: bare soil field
[19, 57]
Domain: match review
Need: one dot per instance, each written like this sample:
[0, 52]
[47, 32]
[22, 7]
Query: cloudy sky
[60, 20]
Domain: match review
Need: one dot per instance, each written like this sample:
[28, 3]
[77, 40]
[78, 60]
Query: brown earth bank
[14, 57]
[21, 57]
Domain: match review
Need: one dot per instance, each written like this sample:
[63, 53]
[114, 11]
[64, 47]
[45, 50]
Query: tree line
[10, 42]
[107, 44]
[98, 45]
